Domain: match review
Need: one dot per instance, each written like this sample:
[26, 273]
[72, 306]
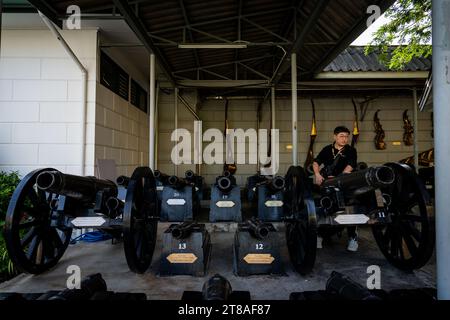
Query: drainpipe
[84, 74]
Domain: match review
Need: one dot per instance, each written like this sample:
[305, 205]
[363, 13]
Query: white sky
[366, 36]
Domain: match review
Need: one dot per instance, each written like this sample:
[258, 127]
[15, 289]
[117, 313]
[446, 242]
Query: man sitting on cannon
[336, 159]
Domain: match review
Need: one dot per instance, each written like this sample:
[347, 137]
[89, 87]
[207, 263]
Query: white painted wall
[329, 114]
[40, 100]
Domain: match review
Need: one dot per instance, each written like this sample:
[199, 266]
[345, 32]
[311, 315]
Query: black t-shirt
[346, 156]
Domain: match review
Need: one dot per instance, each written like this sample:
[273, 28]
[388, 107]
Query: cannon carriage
[390, 198]
[47, 205]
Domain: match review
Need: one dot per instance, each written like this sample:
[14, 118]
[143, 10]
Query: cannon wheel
[140, 220]
[33, 245]
[301, 222]
[408, 241]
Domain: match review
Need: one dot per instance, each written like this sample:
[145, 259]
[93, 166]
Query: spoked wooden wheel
[301, 223]
[140, 220]
[33, 245]
[408, 241]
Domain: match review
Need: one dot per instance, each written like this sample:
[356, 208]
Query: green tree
[410, 26]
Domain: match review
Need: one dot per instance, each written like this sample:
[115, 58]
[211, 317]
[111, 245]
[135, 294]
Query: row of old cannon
[47, 204]
[180, 198]
[339, 287]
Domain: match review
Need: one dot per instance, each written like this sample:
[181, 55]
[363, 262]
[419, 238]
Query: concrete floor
[109, 260]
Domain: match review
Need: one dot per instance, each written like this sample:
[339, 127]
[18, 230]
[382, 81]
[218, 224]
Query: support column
[1, 12]
[441, 103]
[156, 125]
[416, 130]
[294, 109]
[272, 110]
[175, 114]
[151, 147]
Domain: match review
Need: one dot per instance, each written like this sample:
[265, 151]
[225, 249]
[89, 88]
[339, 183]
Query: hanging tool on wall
[230, 167]
[312, 138]
[355, 135]
[426, 158]
[408, 130]
[379, 137]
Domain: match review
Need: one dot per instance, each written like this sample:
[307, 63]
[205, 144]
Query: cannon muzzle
[362, 181]
[123, 181]
[276, 183]
[257, 228]
[189, 175]
[114, 206]
[80, 188]
[162, 177]
[183, 230]
[176, 183]
[89, 286]
[225, 184]
[226, 173]
[348, 289]
[216, 288]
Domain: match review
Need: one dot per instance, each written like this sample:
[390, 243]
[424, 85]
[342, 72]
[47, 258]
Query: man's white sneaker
[352, 245]
[319, 242]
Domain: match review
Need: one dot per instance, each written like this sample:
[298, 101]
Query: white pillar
[272, 110]
[416, 130]
[175, 114]
[151, 147]
[441, 103]
[294, 108]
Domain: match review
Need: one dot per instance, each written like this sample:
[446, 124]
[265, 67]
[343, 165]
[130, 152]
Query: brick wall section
[121, 132]
[40, 98]
[329, 114]
[121, 129]
[166, 125]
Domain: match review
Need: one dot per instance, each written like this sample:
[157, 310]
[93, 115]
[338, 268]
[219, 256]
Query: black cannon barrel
[258, 228]
[183, 230]
[123, 181]
[276, 183]
[115, 207]
[77, 187]
[225, 184]
[161, 176]
[348, 289]
[176, 182]
[326, 202]
[113, 203]
[226, 173]
[92, 284]
[366, 180]
[216, 288]
[190, 175]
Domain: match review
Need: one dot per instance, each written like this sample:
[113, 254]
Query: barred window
[114, 77]
[138, 96]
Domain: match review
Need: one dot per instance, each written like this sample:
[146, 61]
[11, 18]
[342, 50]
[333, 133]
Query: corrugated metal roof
[337, 25]
[354, 59]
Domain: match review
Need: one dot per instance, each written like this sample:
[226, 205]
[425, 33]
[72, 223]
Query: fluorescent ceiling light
[212, 46]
